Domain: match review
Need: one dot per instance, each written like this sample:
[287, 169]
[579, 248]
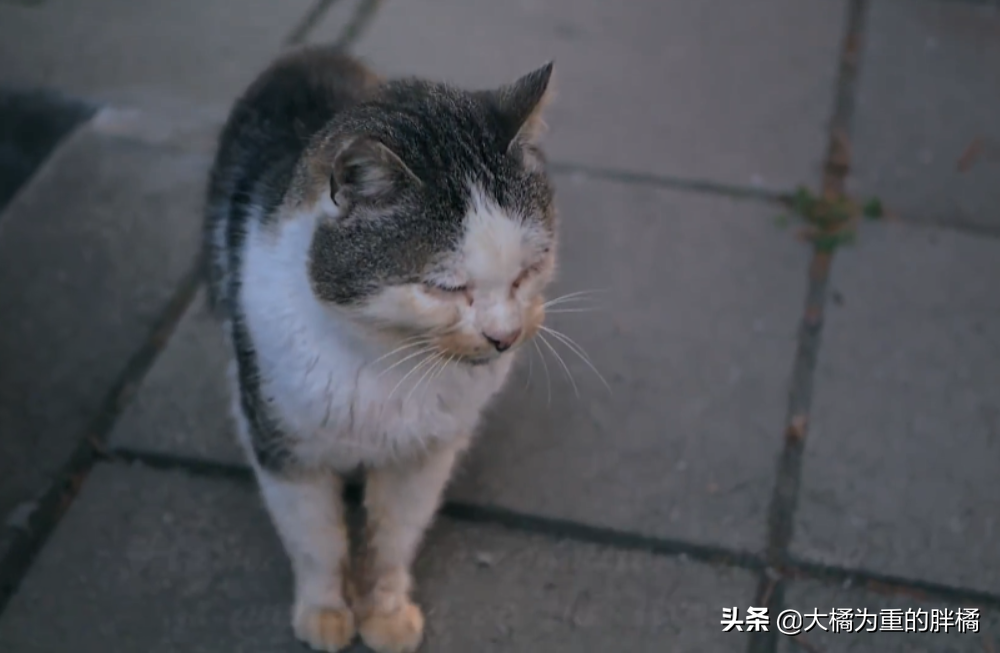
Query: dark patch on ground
[32, 123]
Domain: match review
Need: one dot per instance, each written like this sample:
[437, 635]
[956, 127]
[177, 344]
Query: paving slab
[695, 336]
[810, 597]
[91, 251]
[900, 472]
[115, 49]
[151, 561]
[926, 138]
[726, 90]
[182, 407]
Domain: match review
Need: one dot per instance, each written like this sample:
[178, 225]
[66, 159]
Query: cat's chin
[473, 361]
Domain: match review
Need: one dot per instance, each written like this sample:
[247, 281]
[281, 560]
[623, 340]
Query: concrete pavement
[782, 428]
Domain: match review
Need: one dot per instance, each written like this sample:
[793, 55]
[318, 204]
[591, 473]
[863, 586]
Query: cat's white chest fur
[339, 404]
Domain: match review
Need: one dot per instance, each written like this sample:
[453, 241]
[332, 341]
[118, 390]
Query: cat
[377, 253]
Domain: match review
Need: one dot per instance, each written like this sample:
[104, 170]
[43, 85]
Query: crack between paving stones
[308, 22]
[562, 529]
[21, 545]
[887, 584]
[460, 511]
[968, 228]
[366, 11]
[784, 501]
[363, 16]
[975, 3]
[355, 28]
[777, 566]
[669, 182]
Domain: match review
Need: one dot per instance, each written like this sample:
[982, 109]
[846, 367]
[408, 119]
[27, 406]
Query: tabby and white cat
[376, 253]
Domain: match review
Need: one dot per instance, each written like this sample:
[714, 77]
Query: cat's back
[267, 131]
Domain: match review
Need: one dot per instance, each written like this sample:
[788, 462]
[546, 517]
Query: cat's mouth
[476, 361]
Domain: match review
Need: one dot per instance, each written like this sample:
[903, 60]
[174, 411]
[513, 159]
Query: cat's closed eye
[526, 273]
[447, 288]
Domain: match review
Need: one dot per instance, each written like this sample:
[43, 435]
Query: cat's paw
[325, 629]
[399, 631]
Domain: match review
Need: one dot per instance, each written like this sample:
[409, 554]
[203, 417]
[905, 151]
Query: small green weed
[828, 223]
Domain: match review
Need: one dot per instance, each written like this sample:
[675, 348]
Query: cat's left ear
[366, 170]
[521, 105]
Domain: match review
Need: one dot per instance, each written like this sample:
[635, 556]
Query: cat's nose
[503, 341]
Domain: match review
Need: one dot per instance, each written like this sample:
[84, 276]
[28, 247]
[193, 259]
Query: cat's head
[440, 219]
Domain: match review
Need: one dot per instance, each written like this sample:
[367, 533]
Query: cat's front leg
[400, 502]
[307, 510]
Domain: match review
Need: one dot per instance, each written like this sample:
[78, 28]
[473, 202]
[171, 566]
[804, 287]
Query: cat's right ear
[521, 105]
[365, 170]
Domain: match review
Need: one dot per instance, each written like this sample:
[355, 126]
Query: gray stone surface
[182, 407]
[150, 562]
[694, 333]
[91, 250]
[812, 597]
[728, 90]
[928, 91]
[695, 337]
[114, 49]
[166, 120]
[900, 473]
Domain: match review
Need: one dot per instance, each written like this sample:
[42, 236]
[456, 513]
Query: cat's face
[484, 297]
[444, 229]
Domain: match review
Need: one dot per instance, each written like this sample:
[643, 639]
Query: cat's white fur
[344, 404]
[320, 368]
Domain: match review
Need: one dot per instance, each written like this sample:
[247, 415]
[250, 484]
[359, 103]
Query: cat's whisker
[530, 366]
[545, 366]
[573, 345]
[415, 341]
[437, 358]
[451, 357]
[411, 345]
[406, 358]
[438, 368]
[577, 349]
[424, 361]
[572, 310]
[577, 293]
[580, 295]
[563, 300]
[423, 337]
[569, 374]
[416, 336]
[443, 331]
